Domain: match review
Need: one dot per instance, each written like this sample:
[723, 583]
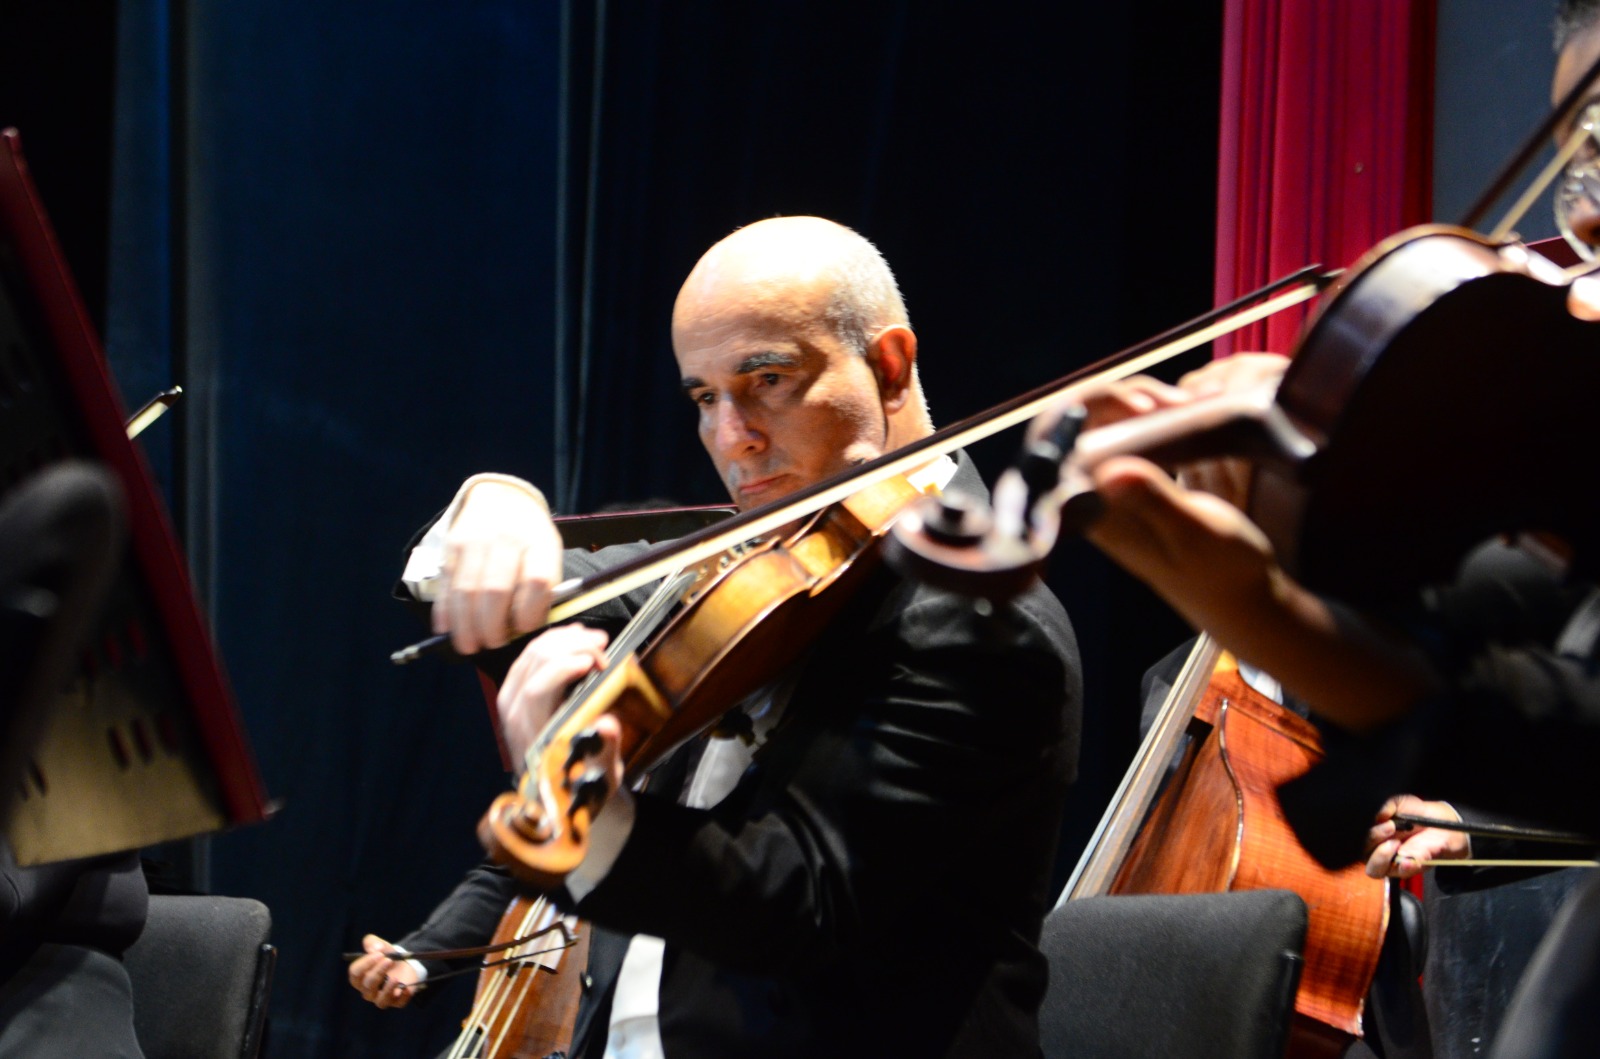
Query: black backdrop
[382, 251]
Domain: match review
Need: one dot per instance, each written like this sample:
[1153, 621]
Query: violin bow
[1519, 161]
[576, 595]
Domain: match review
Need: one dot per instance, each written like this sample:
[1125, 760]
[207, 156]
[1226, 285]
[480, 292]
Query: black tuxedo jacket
[876, 883]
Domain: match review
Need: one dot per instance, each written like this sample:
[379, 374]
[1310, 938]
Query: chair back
[202, 972]
[1204, 976]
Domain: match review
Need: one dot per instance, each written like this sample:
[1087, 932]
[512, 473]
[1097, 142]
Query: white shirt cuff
[416, 965]
[607, 835]
[422, 570]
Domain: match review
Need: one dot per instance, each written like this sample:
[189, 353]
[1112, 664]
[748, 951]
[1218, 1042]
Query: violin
[1352, 471]
[744, 619]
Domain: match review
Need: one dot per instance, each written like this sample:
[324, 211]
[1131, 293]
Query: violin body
[1449, 395]
[1217, 827]
[747, 617]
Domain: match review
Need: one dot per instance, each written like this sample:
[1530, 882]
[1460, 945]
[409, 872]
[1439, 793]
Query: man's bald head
[814, 266]
[792, 342]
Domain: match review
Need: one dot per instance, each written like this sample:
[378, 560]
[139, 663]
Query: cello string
[525, 976]
[1119, 825]
[477, 1017]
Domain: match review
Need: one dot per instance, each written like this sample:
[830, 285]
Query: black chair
[1201, 976]
[202, 972]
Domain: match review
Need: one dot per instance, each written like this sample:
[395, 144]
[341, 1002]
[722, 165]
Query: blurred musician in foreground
[63, 926]
[813, 888]
[1498, 704]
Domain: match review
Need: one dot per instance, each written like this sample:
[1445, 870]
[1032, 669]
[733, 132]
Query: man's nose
[737, 434]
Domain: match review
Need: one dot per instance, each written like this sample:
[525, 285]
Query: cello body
[1217, 827]
[526, 1008]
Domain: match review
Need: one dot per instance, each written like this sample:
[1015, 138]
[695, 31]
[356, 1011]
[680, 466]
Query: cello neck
[1109, 845]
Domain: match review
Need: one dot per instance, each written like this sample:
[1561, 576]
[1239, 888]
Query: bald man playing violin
[869, 875]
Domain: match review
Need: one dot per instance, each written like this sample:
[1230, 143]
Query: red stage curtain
[1326, 140]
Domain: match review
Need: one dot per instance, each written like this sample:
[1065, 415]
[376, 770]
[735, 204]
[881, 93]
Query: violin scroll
[540, 831]
[959, 543]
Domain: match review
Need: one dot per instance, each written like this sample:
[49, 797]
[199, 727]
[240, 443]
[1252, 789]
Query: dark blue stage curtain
[334, 226]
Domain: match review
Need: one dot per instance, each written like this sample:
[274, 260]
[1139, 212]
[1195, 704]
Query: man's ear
[892, 353]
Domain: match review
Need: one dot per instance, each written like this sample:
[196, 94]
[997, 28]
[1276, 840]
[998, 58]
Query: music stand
[143, 744]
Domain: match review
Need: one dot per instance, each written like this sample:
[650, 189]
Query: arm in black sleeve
[907, 736]
[467, 918]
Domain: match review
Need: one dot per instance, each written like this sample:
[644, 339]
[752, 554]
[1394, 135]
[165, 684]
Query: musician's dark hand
[1113, 402]
[1139, 395]
[1400, 854]
[1228, 477]
[1201, 554]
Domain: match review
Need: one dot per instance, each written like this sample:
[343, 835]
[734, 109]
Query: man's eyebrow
[754, 362]
[769, 359]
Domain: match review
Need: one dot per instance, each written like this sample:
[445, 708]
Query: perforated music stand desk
[144, 744]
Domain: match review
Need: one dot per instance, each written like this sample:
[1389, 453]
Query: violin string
[628, 640]
[916, 454]
[1547, 175]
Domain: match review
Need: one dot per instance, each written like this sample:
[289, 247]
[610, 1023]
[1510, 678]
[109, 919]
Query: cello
[527, 1000]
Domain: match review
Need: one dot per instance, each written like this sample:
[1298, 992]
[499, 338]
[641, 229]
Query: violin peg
[586, 744]
[590, 792]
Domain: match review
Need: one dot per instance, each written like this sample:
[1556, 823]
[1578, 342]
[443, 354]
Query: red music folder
[144, 743]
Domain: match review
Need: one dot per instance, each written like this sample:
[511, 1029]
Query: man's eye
[770, 378]
[705, 397]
